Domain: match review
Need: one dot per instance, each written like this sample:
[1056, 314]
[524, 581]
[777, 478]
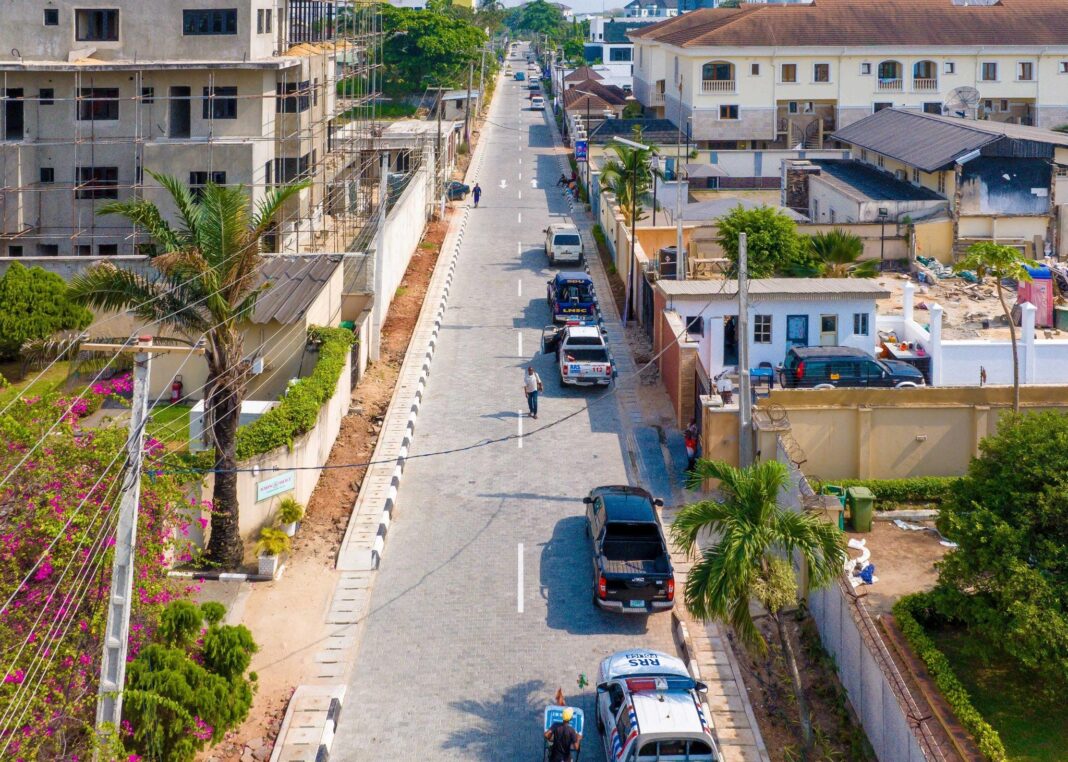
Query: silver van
[563, 243]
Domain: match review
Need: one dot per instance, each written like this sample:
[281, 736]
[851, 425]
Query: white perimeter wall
[404, 228]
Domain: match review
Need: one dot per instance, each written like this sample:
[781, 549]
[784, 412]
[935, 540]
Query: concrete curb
[222, 576]
[311, 718]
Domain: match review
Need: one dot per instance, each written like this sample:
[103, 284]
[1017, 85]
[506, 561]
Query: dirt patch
[286, 616]
[904, 562]
[837, 733]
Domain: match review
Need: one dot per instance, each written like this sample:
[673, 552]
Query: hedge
[298, 410]
[917, 489]
[908, 611]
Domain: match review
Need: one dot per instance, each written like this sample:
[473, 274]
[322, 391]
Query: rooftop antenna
[962, 102]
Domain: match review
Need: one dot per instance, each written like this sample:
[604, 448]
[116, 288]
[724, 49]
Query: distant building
[651, 8]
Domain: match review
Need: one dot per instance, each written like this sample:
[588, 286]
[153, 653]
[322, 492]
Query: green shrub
[916, 489]
[289, 510]
[34, 305]
[273, 542]
[298, 411]
[909, 612]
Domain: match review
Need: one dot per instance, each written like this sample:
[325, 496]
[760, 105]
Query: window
[860, 323]
[791, 107]
[676, 68]
[865, 68]
[197, 181]
[1004, 105]
[728, 112]
[47, 250]
[51, 17]
[762, 329]
[259, 21]
[84, 250]
[754, 69]
[288, 170]
[821, 72]
[990, 72]
[315, 92]
[268, 174]
[863, 154]
[98, 104]
[949, 67]
[1063, 67]
[14, 251]
[148, 96]
[941, 182]
[292, 97]
[47, 96]
[695, 326]
[641, 57]
[214, 21]
[97, 182]
[1025, 71]
[48, 174]
[788, 73]
[220, 103]
[619, 54]
[934, 107]
[96, 25]
[915, 176]
[267, 20]
[107, 249]
[879, 160]
[879, 106]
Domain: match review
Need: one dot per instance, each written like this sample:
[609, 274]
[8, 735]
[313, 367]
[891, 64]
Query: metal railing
[717, 85]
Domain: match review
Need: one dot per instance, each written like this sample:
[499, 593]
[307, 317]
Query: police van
[648, 708]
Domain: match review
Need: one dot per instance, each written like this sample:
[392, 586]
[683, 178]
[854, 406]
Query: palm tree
[629, 176]
[205, 284]
[838, 255]
[1000, 261]
[753, 540]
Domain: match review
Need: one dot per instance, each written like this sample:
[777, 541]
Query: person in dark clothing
[477, 192]
[562, 182]
[690, 437]
[563, 739]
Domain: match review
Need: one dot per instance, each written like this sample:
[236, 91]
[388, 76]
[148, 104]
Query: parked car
[581, 354]
[572, 298]
[650, 708]
[632, 571]
[829, 367]
[563, 243]
[520, 76]
[537, 103]
[456, 190]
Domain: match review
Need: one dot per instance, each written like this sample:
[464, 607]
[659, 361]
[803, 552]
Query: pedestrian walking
[532, 385]
[690, 437]
[477, 193]
[563, 739]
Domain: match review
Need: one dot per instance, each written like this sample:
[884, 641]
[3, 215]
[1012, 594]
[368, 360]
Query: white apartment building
[767, 75]
[98, 92]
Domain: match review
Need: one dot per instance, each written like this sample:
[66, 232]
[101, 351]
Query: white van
[537, 103]
[648, 710]
[563, 243]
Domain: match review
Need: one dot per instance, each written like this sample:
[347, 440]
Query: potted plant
[290, 513]
[272, 545]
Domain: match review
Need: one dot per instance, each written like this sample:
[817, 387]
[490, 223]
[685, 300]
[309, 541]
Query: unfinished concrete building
[99, 93]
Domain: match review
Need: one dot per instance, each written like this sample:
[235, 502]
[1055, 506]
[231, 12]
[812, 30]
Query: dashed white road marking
[519, 288]
[520, 194]
[519, 343]
[519, 217]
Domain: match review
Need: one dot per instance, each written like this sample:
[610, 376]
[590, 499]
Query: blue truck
[572, 298]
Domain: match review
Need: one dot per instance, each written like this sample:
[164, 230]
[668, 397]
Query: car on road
[632, 571]
[563, 243]
[520, 76]
[650, 708]
[830, 367]
[581, 354]
[456, 190]
[572, 298]
[537, 103]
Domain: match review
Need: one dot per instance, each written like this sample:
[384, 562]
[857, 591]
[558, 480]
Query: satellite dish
[961, 101]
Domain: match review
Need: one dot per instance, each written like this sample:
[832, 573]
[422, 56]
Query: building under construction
[100, 94]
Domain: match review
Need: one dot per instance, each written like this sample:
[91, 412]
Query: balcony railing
[655, 99]
[717, 85]
[924, 84]
[889, 84]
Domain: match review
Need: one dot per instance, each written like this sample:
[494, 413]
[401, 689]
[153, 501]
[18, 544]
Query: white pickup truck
[581, 353]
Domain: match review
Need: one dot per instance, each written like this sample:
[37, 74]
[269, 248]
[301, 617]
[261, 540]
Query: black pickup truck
[632, 571]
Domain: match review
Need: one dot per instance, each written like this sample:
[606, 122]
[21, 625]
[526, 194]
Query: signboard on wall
[275, 485]
[581, 148]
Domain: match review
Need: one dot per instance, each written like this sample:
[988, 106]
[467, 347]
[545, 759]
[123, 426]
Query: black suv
[827, 367]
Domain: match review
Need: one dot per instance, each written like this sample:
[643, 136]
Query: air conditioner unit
[257, 366]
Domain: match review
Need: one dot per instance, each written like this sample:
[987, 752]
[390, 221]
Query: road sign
[581, 149]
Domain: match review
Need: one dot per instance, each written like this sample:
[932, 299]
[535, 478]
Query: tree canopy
[34, 304]
[774, 246]
[428, 47]
[1008, 578]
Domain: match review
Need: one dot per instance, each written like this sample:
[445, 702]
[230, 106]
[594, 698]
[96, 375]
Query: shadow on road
[502, 729]
[566, 585]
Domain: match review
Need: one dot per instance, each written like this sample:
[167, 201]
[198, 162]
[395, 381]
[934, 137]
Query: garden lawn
[170, 424]
[1032, 728]
[52, 378]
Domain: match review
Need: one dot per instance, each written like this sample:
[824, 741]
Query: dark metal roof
[293, 283]
[931, 142]
[873, 183]
[660, 131]
[615, 32]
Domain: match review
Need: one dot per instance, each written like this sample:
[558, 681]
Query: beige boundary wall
[892, 433]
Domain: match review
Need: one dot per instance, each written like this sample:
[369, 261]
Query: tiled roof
[930, 141]
[293, 284]
[861, 22]
[609, 95]
[581, 74]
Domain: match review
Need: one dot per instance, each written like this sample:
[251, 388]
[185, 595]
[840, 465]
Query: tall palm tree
[838, 255]
[1000, 261]
[629, 176]
[205, 284]
[752, 542]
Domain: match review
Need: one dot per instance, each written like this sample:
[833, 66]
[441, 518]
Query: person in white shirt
[724, 387]
[532, 385]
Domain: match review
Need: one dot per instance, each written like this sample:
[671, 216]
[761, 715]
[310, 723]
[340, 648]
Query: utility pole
[482, 81]
[117, 634]
[439, 164]
[745, 397]
[680, 254]
[467, 110]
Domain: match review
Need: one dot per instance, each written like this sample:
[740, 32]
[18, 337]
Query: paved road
[481, 607]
